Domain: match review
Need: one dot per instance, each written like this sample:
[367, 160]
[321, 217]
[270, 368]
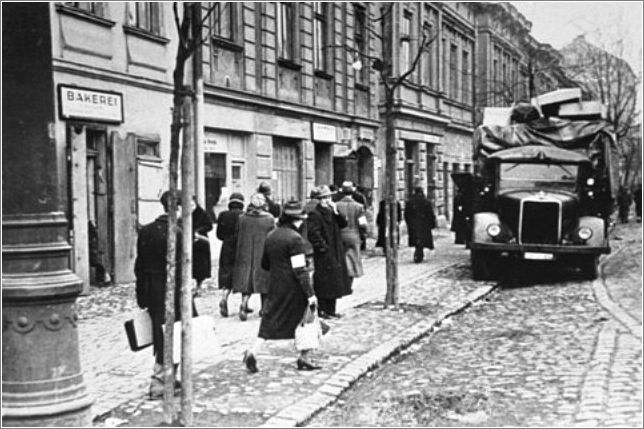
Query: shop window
[148, 149]
[145, 16]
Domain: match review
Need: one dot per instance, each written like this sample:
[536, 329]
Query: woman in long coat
[354, 212]
[290, 289]
[201, 264]
[226, 225]
[330, 279]
[420, 220]
[250, 235]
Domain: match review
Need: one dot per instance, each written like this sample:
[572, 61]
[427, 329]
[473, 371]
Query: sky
[602, 23]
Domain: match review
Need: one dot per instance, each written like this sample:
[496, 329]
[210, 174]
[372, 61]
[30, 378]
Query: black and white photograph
[322, 214]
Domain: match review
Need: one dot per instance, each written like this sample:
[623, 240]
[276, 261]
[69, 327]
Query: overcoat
[150, 271]
[252, 228]
[273, 207]
[226, 224]
[289, 287]
[380, 220]
[201, 264]
[354, 212]
[330, 278]
[420, 220]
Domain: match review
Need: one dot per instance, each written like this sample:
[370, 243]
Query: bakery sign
[90, 104]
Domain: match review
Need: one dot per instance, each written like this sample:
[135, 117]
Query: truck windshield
[539, 176]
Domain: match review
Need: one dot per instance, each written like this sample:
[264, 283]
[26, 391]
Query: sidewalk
[225, 395]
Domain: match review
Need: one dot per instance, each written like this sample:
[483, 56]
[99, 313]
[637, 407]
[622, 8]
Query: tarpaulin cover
[595, 139]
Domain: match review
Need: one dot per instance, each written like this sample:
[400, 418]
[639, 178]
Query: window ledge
[86, 16]
[228, 44]
[323, 75]
[145, 35]
[289, 64]
[362, 87]
[149, 158]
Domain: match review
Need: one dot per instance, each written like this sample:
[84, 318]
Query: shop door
[123, 154]
[286, 172]
[237, 175]
[215, 176]
[411, 166]
[98, 204]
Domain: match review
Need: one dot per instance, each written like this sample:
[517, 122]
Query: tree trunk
[187, 183]
[391, 212]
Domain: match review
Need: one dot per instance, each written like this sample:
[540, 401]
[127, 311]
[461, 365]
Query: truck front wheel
[589, 266]
[482, 263]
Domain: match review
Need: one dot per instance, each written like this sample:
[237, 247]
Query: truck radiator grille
[540, 222]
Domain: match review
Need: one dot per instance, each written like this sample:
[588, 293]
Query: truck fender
[596, 224]
[479, 226]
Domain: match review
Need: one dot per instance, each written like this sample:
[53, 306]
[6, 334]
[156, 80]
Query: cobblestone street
[537, 351]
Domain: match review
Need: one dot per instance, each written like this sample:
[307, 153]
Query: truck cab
[541, 203]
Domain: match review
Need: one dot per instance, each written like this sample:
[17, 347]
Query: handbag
[308, 331]
[139, 330]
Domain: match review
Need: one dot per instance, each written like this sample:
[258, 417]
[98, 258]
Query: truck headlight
[584, 233]
[494, 230]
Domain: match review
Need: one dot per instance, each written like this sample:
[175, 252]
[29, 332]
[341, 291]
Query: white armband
[298, 261]
[362, 220]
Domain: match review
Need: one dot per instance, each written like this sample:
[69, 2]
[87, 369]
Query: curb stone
[354, 370]
[603, 298]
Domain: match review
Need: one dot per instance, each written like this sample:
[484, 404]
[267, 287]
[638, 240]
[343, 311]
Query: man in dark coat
[201, 264]
[331, 278]
[290, 290]
[273, 208]
[420, 220]
[150, 271]
[380, 220]
[637, 199]
[226, 225]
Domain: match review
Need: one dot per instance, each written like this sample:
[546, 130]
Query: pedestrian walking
[352, 234]
[330, 277]
[226, 225]
[150, 271]
[380, 221]
[623, 203]
[420, 220]
[637, 199]
[201, 263]
[290, 289]
[248, 275]
[265, 189]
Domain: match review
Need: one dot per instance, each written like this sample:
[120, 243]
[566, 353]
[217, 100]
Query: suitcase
[139, 330]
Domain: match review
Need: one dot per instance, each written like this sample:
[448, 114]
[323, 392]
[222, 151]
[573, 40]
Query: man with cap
[150, 272]
[273, 208]
[330, 279]
[290, 289]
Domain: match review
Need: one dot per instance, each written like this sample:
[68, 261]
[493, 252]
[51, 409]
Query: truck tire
[481, 265]
[589, 266]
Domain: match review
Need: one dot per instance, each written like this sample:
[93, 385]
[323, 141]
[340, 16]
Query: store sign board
[90, 104]
[324, 133]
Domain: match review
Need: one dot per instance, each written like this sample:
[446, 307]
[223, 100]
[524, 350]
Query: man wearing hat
[226, 226]
[273, 208]
[290, 289]
[330, 279]
[150, 272]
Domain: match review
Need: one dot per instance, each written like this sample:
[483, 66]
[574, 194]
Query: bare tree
[189, 23]
[390, 82]
[604, 75]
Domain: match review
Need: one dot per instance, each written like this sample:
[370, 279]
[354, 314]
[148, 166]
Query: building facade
[291, 95]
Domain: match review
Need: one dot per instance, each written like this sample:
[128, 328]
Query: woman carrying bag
[290, 290]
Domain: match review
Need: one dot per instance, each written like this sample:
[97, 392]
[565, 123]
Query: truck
[542, 190]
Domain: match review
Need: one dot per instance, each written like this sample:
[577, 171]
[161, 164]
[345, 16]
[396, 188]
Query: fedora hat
[347, 187]
[236, 197]
[293, 208]
[324, 191]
